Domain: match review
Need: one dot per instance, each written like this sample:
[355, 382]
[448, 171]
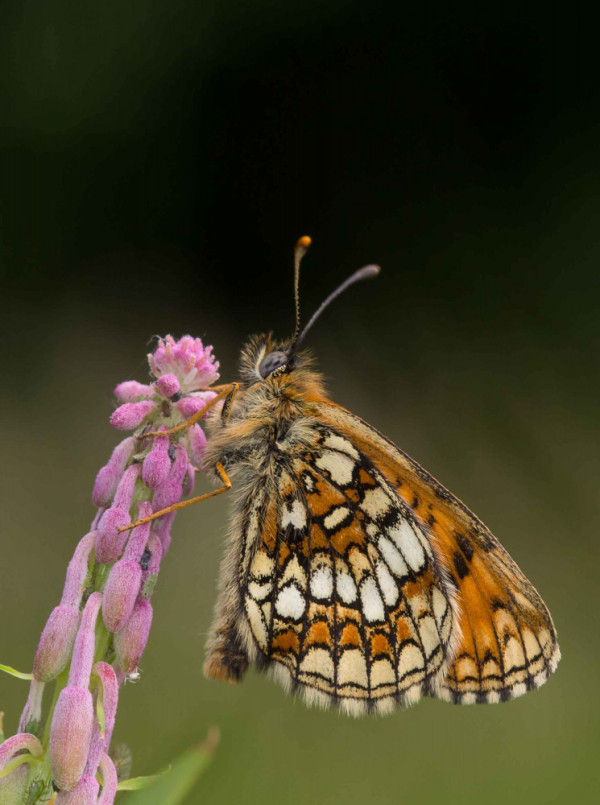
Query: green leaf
[13, 672]
[138, 783]
[172, 786]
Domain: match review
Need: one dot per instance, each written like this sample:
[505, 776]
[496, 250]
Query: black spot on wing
[460, 565]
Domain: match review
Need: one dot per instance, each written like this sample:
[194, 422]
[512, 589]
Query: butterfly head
[264, 360]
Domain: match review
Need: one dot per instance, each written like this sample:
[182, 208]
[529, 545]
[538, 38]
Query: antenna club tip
[304, 242]
[368, 271]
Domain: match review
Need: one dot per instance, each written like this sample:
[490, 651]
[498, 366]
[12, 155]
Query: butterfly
[349, 571]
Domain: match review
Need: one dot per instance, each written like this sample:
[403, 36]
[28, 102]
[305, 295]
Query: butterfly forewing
[342, 593]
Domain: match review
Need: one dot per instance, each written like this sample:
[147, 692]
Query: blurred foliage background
[159, 161]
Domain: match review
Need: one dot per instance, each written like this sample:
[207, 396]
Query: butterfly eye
[271, 362]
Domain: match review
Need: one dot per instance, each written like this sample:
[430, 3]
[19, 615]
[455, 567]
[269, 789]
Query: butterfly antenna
[299, 252]
[364, 273]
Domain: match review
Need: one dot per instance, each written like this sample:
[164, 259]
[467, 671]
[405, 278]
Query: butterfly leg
[226, 486]
[228, 404]
[227, 392]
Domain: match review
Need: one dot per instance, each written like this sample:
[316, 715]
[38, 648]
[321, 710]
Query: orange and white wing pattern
[508, 642]
[342, 595]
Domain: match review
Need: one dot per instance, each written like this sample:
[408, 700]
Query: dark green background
[158, 163]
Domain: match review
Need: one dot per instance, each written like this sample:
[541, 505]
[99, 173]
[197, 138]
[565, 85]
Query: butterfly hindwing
[342, 593]
[508, 643]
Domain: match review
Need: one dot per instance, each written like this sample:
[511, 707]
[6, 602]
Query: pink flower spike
[32, 712]
[77, 572]
[84, 793]
[188, 406]
[83, 650]
[197, 445]
[70, 736]
[132, 391]
[167, 385]
[129, 415]
[157, 463]
[109, 781]
[131, 641]
[193, 364]
[56, 643]
[109, 540]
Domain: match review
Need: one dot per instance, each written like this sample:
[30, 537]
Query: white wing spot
[393, 557]
[376, 502]
[339, 467]
[290, 603]
[259, 591]
[295, 515]
[388, 586]
[335, 517]
[321, 583]
[406, 539]
[345, 586]
[339, 443]
[371, 601]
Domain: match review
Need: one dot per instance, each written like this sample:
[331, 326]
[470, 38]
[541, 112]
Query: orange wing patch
[347, 603]
[508, 643]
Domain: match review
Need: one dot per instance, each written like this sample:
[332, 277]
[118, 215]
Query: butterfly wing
[341, 592]
[508, 642]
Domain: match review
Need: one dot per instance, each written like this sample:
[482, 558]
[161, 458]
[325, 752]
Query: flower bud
[125, 578]
[197, 445]
[17, 744]
[77, 572]
[108, 478]
[170, 491]
[131, 391]
[56, 643]
[109, 684]
[131, 641]
[84, 793]
[167, 385]
[129, 415]
[109, 781]
[70, 736]
[32, 712]
[121, 589]
[14, 786]
[109, 540]
[188, 406]
[83, 650]
[73, 719]
[157, 463]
